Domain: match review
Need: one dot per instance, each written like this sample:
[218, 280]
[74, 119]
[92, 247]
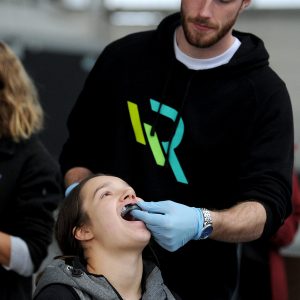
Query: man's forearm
[5, 248]
[241, 223]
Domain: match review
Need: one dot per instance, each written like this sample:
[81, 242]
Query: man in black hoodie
[193, 116]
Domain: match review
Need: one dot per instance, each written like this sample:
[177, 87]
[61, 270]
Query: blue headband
[70, 188]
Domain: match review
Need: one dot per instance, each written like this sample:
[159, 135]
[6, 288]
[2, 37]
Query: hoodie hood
[251, 54]
[87, 286]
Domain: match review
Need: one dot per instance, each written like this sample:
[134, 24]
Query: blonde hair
[21, 114]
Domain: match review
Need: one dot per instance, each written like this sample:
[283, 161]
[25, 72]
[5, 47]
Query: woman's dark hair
[70, 216]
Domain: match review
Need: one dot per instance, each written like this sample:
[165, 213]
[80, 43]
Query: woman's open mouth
[125, 213]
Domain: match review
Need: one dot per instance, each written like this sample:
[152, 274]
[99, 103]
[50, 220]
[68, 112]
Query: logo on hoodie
[161, 150]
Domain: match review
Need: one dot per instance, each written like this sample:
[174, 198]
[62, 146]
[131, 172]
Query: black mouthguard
[125, 214]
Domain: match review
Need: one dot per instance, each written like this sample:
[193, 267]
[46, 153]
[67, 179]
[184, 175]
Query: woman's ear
[83, 233]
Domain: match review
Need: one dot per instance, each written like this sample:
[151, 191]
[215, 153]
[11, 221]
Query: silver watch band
[207, 220]
[207, 228]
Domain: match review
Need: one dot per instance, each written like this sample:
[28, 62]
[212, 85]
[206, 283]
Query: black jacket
[207, 138]
[30, 190]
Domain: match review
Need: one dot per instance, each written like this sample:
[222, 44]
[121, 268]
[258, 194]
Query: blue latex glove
[171, 224]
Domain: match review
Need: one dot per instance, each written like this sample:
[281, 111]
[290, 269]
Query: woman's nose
[128, 195]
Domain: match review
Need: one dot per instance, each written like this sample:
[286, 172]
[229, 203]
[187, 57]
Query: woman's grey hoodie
[97, 287]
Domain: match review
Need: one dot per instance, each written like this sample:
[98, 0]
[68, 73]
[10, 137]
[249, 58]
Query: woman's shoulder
[35, 153]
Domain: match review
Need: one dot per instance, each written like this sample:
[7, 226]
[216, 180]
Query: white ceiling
[174, 4]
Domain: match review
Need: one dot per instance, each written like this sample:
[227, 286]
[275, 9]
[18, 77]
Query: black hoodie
[207, 138]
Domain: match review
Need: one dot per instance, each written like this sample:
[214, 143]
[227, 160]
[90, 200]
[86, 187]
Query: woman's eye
[105, 194]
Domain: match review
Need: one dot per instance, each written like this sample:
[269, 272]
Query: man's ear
[83, 233]
[245, 4]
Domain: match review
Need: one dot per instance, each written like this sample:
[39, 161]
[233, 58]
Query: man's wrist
[207, 226]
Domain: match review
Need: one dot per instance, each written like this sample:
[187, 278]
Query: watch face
[206, 232]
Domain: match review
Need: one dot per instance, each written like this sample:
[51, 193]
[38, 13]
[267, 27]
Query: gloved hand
[171, 224]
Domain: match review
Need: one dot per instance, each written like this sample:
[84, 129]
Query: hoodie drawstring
[155, 123]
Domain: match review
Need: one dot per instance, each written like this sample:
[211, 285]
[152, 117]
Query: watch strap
[207, 224]
[207, 220]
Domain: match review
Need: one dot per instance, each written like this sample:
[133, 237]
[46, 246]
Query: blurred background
[59, 41]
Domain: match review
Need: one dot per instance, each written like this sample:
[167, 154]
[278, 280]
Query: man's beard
[199, 40]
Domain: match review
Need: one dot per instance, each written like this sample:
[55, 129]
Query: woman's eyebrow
[99, 188]
[105, 185]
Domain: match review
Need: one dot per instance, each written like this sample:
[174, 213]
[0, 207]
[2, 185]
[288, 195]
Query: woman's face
[103, 200]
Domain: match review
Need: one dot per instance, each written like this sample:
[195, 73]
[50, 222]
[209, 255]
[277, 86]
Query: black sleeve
[92, 111]
[267, 169]
[39, 193]
[57, 292]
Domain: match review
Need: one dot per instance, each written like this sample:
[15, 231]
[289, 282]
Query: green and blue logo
[159, 152]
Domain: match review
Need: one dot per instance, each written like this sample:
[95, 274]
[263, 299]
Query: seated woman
[102, 250]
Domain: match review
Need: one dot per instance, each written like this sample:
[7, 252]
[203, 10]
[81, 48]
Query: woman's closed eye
[105, 194]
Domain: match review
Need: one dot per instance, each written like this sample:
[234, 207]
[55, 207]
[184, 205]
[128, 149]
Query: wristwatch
[207, 224]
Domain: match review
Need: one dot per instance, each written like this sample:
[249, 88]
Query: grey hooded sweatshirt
[89, 286]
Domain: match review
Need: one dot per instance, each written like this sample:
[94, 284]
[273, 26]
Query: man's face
[206, 22]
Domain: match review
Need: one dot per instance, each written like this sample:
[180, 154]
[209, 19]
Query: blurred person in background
[284, 237]
[30, 181]
[191, 115]
[102, 247]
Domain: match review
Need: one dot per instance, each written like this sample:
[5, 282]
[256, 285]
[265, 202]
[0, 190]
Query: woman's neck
[123, 271]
